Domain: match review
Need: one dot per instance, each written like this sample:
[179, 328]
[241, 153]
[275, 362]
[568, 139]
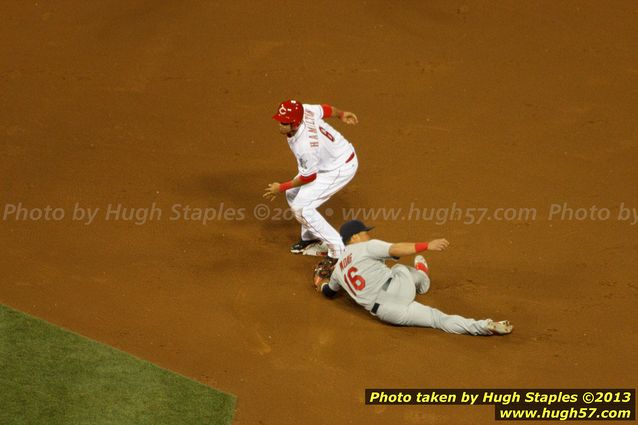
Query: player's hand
[349, 118]
[318, 282]
[271, 191]
[438, 245]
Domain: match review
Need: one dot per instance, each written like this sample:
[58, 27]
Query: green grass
[51, 376]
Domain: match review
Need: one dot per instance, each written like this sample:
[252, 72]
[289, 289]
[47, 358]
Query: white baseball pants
[305, 200]
[398, 307]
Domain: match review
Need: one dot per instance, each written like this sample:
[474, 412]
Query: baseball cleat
[503, 327]
[299, 247]
[319, 249]
[421, 264]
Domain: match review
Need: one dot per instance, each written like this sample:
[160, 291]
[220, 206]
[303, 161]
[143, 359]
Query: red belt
[350, 158]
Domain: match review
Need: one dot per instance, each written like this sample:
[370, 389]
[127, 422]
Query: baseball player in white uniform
[326, 163]
[389, 294]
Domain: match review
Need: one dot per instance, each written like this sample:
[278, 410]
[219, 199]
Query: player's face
[284, 128]
[361, 237]
[364, 236]
[287, 129]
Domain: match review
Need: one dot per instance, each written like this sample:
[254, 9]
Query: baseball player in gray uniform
[389, 294]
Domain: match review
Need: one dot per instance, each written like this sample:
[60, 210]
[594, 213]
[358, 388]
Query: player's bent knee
[297, 212]
[424, 288]
[290, 198]
[309, 212]
[393, 314]
[303, 213]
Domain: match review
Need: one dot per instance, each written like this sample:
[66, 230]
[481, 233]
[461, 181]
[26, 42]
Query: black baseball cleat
[299, 247]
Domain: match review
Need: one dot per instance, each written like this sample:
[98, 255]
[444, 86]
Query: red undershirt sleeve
[327, 110]
[308, 179]
[285, 186]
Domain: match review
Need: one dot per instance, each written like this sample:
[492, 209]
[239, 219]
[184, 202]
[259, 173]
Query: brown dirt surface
[468, 103]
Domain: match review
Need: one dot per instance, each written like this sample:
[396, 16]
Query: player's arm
[328, 287]
[273, 189]
[307, 174]
[345, 116]
[297, 182]
[325, 279]
[410, 248]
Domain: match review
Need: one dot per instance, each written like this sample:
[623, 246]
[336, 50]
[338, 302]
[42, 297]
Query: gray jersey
[361, 271]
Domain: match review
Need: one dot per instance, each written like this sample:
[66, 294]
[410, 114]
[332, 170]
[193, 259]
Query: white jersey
[361, 271]
[316, 145]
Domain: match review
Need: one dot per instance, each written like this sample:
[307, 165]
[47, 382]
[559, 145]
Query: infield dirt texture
[168, 105]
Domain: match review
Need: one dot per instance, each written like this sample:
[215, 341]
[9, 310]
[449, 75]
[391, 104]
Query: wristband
[326, 291]
[327, 110]
[285, 186]
[420, 246]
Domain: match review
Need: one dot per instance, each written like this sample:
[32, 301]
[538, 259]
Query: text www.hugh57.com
[590, 413]
[439, 216]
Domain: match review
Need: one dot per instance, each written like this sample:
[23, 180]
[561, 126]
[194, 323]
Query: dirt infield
[165, 107]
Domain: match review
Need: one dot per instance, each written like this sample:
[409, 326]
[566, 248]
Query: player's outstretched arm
[410, 248]
[344, 116]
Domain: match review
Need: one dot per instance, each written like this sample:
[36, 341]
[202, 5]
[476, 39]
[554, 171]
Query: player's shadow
[343, 302]
[235, 188]
[332, 211]
[243, 190]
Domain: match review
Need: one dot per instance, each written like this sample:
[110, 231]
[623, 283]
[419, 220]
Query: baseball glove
[323, 271]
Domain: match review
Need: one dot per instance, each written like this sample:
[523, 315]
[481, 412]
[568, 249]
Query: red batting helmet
[289, 111]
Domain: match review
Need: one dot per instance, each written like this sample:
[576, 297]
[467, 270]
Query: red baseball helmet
[289, 111]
